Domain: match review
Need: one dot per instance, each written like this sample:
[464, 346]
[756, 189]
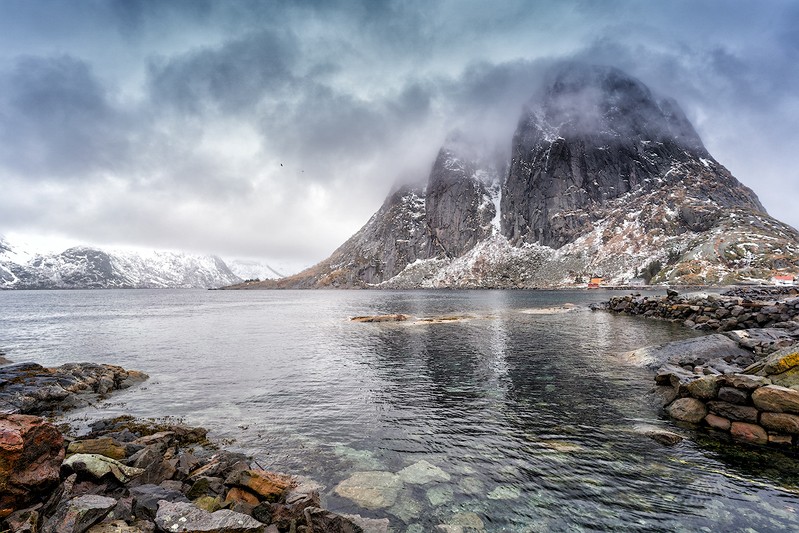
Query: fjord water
[532, 415]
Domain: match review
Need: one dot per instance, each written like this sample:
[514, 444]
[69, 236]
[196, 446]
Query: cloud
[262, 128]
[58, 121]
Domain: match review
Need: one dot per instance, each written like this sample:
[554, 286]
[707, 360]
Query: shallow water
[529, 414]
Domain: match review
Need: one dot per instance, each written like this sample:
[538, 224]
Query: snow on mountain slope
[89, 268]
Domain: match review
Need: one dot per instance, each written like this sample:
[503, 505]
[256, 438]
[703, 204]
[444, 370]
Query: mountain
[604, 178]
[91, 268]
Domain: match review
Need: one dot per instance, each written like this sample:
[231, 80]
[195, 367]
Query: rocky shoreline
[133, 476]
[742, 383]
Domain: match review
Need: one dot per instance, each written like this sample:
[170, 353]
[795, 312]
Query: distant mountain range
[603, 178]
[92, 268]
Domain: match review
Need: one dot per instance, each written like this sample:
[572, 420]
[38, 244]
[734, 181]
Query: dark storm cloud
[56, 120]
[233, 78]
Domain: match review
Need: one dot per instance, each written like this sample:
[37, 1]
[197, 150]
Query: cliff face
[603, 178]
[443, 219]
[595, 135]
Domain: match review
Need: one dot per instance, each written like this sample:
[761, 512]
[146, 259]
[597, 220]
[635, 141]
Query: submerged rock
[371, 490]
[422, 472]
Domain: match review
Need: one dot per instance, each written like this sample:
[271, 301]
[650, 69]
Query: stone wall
[757, 404]
[709, 312]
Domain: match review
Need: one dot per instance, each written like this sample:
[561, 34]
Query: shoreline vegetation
[125, 475]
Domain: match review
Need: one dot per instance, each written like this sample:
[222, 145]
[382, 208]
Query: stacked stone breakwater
[759, 404]
[743, 382]
[739, 309]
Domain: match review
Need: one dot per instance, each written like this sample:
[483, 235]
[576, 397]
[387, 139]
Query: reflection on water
[529, 415]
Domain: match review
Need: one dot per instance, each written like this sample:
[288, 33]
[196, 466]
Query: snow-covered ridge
[88, 268]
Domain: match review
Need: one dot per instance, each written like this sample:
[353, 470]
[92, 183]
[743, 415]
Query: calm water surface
[532, 416]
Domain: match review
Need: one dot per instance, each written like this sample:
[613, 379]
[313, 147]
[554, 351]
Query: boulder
[718, 422]
[742, 413]
[673, 375]
[687, 410]
[154, 468]
[663, 395]
[776, 399]
[79, 514]
[733, 395]
[120, 526]
[746, 381]
[206, 486]
[269, 486]
[221, 465]
[146, 498]
[776, 363]
[102, 446]
[704, 388]
[781, 440]
[237, 494]
[321, 520]
[780, 422]
[292, 510]
[31, 451]
[24, 520]
[179, 516]
[96, 466]
[666, 438]
[749, 432]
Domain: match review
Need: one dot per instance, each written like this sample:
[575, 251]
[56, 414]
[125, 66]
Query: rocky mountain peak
[605, 103]
[596, 134]
[603, 177]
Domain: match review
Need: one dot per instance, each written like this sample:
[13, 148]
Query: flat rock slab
[695, 352]
[371, 490]
[30, 388]
[380, 318]
[180, 517]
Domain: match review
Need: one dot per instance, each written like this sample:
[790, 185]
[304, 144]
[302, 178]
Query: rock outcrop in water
[30, 388]
[603, 178]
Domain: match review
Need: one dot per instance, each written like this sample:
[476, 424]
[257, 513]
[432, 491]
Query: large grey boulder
[79, 514]
[692, 352]
[183, 517]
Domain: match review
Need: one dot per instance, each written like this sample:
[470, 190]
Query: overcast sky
[274, 130]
